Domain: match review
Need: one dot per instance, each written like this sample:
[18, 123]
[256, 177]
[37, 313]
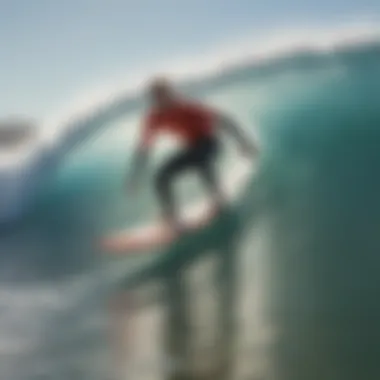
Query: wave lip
[255, 48]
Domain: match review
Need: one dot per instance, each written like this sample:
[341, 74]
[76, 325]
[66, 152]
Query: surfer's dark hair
[159, 84]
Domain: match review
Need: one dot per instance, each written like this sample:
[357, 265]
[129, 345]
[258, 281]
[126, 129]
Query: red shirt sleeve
[206, 112]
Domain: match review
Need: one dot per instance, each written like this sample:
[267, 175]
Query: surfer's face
[161, 95]
[162, 98]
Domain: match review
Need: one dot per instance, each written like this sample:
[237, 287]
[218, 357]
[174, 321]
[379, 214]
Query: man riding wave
[198, 127]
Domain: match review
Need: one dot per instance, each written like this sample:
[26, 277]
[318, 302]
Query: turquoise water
[318, 120]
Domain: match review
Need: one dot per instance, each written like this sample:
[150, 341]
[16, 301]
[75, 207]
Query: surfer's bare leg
[164, 187]
[208, 174]
[165, 197]
[207, 169]
[199, 157]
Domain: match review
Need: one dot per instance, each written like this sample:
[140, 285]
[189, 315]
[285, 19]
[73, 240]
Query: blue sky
[50, 50]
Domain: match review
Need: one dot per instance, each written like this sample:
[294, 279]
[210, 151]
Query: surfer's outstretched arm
[141, 155]
[138, 166]
[246, 142]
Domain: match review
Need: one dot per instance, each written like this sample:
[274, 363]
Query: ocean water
[317, 115]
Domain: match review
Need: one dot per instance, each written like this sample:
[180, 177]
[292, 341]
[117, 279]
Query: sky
[52, 50]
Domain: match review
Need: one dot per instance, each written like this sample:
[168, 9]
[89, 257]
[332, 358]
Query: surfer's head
[161, 92]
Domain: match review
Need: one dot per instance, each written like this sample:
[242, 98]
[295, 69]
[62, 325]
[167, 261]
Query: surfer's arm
[140, 157]
[232, 128]
[138, 165]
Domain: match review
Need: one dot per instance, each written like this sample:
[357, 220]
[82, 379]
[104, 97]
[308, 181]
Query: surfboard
[158, 234]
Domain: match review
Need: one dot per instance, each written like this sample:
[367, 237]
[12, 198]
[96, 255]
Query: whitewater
[304, 94]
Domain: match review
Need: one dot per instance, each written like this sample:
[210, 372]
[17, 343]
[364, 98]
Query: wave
[263, 49]
[57, 136]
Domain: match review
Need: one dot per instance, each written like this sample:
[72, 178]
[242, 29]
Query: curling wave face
[29, 154]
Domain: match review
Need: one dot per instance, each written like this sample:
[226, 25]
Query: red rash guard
[188, 121]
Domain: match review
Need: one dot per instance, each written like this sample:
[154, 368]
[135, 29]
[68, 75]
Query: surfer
[197, 126]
